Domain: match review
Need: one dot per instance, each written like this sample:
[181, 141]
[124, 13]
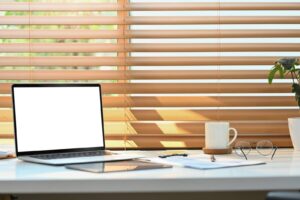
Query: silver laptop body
[60, 124]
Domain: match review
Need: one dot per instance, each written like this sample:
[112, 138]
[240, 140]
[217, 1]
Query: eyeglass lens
[242, 148]
[264, 147]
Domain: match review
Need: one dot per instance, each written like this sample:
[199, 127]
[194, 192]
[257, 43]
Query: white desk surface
[281, 173]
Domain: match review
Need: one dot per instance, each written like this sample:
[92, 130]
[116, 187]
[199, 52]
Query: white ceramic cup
[217, 135]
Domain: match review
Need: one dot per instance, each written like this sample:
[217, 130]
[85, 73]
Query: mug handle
[234, 137]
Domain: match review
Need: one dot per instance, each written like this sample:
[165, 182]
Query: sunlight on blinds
[166, 66]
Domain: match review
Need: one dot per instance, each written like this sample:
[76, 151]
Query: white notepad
[205, 163]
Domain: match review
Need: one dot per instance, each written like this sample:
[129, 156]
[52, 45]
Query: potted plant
[288, 67]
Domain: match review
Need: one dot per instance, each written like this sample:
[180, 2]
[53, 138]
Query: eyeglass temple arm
[275, 149]
[241, 148]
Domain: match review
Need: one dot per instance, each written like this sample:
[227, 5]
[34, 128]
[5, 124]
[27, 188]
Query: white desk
[281, 173]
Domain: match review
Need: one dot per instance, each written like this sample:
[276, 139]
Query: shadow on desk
[255, 195]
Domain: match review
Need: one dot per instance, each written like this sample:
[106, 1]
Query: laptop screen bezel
[27, 153]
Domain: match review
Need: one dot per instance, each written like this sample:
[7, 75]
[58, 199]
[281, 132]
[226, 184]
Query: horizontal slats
[183, 88]
[206, 47]
[36, 6]
[90, 34]
[161, 124]
[132, 74]
[187, 101]
[84, 20]
[134, 61]
[152, 128]
[185, 115]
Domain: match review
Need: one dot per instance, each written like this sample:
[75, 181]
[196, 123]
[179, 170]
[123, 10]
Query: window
[166, 66]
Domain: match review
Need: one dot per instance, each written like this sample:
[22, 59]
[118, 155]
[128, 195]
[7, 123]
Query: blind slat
[182, 61]
[185, 141]
[146, 128]
[215, 47]
[186, 115]
[133, 61]
[238, 33]
[60, 34]
[37, 6]
[58, 75]
[157, 6]
[83, 20]
[188, 101]
[60, 47]
[196, 74]
[57, 20]
[82, 47]
[214, 20]
[90, 34]
[61, 61]
[132, 74]
[183, 88]
[41, 6]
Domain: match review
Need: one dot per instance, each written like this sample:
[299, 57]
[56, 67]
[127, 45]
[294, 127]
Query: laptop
[59, 124]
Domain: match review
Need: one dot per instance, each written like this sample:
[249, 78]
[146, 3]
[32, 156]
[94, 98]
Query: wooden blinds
[166, 67]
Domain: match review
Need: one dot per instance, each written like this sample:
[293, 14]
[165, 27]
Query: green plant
[286, 67]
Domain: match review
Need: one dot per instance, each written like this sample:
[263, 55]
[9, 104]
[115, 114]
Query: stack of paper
[204, 163]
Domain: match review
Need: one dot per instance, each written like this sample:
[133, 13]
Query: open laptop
[60, 124]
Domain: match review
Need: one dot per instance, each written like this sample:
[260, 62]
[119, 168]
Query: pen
[213, 158]
[177, 154]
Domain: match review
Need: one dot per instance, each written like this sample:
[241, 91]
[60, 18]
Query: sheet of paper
[204, 163]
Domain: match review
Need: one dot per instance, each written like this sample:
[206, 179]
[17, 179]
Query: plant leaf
[272, 74]
[296, 88]
[281, 72]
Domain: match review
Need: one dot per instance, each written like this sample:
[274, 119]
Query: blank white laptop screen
[54, 118]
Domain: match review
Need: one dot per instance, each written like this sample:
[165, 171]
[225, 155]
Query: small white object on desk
[5, 154]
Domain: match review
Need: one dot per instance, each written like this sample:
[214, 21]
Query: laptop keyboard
[71, 155]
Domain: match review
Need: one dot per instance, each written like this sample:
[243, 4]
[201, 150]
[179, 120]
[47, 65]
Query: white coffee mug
[217, 135]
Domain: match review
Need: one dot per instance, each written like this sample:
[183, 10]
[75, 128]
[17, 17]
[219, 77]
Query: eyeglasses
[263, 147]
